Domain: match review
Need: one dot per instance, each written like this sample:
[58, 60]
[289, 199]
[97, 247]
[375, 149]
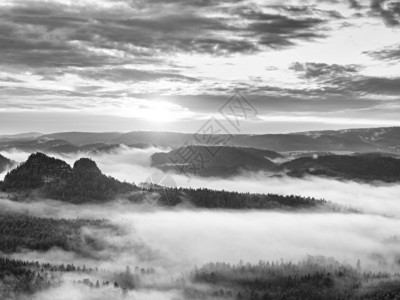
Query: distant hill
[385, 139]
[20, 136]
[43, 145]
[159, 139]
[5, 163]
[82, 138]
[60, 146]
[355, 140]
[57, 180]
[227, 161]
[230, 161]
[361, 167]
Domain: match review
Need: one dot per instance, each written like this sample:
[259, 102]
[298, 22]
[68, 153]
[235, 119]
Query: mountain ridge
[379, 139]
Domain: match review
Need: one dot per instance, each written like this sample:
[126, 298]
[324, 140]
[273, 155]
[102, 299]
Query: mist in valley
[175, 240]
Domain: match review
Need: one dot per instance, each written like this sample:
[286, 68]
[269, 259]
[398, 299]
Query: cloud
[342, 80]
[54, 34]
[322, 70]
[389, 10]
[69, 56]
[125, 74]
[376, 85]
[279, 30]
[391, 53]
[354, 4]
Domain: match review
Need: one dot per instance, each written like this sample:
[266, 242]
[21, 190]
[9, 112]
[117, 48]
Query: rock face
[37, 170]
[86, 165]
[55, 179]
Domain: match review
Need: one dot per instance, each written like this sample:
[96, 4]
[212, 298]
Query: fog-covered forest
[78, 228]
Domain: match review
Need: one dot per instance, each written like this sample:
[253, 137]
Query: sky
[172, 65]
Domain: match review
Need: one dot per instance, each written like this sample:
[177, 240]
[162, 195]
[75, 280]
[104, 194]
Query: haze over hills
[357, 140]
[361, 167]
[216, 160]
[5, 163]
[231, 161]
[82, 138]
[353, 140]
[27, 135]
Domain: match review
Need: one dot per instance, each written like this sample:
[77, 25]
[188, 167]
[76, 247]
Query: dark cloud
[38, 34]
[389, 53]
[131, 75]
[310, 10]
[355, 4]
[375, 85]
[279, 30]
[195, 3]
[9, 79]
[284, 31]
[345, 80]
[389, 10]
[322, 70]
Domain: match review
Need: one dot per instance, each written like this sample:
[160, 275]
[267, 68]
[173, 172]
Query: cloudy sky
[123, 65]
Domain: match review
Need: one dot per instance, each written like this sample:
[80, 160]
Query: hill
[61, 146]
[386, 139]
[57, 180]
[362, 167]
[5, 163]
[354, 140]
[227, 161]
[20, 136]
[82, 138]
[35, 172]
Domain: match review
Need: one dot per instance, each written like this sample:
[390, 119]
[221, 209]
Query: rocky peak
[86, 165]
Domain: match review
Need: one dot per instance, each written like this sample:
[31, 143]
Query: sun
[159, 111]
[154, 111]
[158, 115]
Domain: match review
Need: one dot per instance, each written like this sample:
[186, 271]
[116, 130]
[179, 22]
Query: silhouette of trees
[313, 278]
[19, 231]
[206, 198]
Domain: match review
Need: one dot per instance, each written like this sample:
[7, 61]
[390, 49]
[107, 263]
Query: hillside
[5, 163]
[57, 180]
[35, 172]
[363, 167]
[227, 161]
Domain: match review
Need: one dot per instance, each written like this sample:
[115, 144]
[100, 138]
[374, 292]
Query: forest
[312, 278]
[25, 232]
[214, 199]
